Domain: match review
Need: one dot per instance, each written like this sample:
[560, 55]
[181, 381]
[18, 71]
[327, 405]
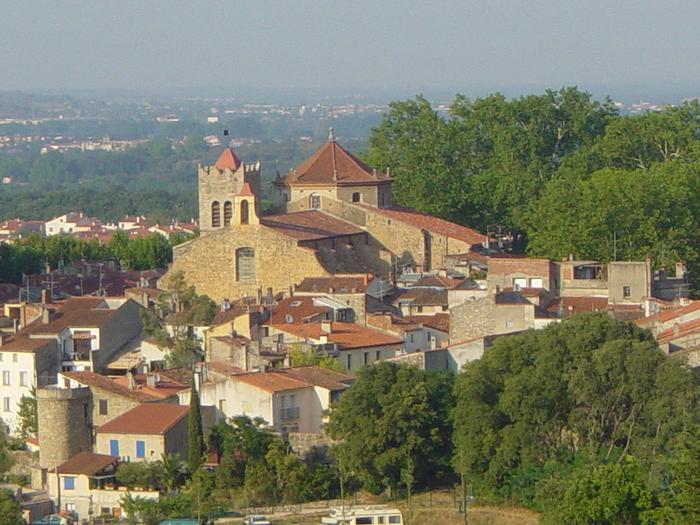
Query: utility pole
[464, 499]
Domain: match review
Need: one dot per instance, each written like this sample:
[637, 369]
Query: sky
[467, 46]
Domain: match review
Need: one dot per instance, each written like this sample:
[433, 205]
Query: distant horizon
[300, 94]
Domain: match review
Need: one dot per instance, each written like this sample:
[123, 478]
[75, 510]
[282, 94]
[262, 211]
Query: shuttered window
[245, 264]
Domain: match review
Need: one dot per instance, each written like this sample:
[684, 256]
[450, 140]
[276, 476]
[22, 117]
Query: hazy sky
[487, 44]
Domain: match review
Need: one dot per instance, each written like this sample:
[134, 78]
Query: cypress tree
[195, 433]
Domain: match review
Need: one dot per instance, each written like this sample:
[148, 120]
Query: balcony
[76, 356]
[289, 414]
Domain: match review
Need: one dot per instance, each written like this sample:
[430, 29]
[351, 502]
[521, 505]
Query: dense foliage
[565, 173]
[393, 427]
[26, 256]
[554, 419]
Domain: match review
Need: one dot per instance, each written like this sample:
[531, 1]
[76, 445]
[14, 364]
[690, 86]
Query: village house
[89, 331]
[85, 487]
[353, 345]
[289, 400]
[145, 433]
[25, 364]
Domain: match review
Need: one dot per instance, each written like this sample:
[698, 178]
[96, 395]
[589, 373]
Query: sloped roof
[334, 165]
[670, 314]
[246, 191]
[439, 321]
[676, 332]
[228, 159]
[338, 283]
[318, 376]
[95, 380]
[297, 308]
[20, 343]
[87, 463]
[150, 418]
[310, 225]
[346, 335]
[430, 223]
[271, 381]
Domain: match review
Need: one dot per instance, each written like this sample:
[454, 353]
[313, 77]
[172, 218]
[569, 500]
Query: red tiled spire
[246, 191]
[228, 159]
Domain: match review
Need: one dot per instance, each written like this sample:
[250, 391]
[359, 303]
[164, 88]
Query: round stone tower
[64, 424]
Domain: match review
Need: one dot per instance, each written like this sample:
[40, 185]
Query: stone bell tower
[218, 186]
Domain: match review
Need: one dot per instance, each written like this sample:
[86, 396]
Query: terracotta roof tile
[95, 380]
[272, 381]
[436, 321]
[430, 223]
[332, 164]
[150, 418]
[246, 191]
[310, 225]
[339, 283]
[346, 335]
[25, 344]
[670, 314]
[87, 464]
[317, 376]
[681, 330]
[296, 310]
[228, 160]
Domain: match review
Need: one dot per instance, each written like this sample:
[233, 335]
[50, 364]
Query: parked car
[53, 519]
[256, 520]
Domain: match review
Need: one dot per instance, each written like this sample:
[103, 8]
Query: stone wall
[502, 271]
[116, 405]
[472, 319]
[209, 262]
[64, 426]
[122, 327]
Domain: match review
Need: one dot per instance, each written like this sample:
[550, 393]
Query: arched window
[215, 214]
[314, 201]
[228, 212]
[245, 264]
[356, 196]
[244, 212]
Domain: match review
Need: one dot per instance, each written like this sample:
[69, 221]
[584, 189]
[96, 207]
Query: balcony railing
[289, 413]
[76, 356]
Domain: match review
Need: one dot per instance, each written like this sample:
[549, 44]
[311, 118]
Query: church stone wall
[209, 262]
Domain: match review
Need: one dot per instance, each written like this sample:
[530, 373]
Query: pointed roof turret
[246, 191]
[228, 159]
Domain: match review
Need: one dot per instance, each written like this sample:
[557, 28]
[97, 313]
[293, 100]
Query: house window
[378, 356]
[68, 483]
[626, 292]
[348, 361]
[228, 212]
[1, 358]
[363, 520]
[222, 406]
[536, 283]
[6, 404]
[104, 511]
[104, 407]
[14, 358]
[365, 358]
[114, 447]
[420, 309]
[314, 201]
[410, 337]
[394, 519]
[215, 214]
[356, 196]
[140, 449]
[245, 264]
[519, 283]
[23, 379]
[6, 378]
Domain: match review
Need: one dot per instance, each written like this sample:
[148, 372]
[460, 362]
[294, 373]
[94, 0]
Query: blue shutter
[140, 449]
[114, 447]
[69, 483]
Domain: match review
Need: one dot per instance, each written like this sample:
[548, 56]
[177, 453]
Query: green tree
[28, 415]
[194, 432]
[10, 511]
[391, 420]
[607, 494]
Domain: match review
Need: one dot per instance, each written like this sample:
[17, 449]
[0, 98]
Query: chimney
[366, 279]
[15, 325]
[326, 326]
[676, 329]
[130, 381]
[44, 296]
[151, 380]
[46, 315]
[3, 338]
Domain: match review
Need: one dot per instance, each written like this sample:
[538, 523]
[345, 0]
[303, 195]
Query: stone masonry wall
[209, 262]
[472, 319]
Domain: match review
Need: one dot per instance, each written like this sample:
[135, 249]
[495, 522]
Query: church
[333, 215]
